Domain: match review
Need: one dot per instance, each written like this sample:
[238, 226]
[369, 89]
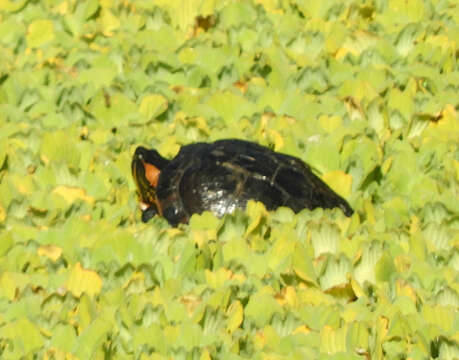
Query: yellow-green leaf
[39, 33]
[339, 181]
[52, 252]
[256, 211]
[235, 316]
[71, 194]
[302, 264]
[109, 22]
[7, 286]
[332, 340]
[81, 280]
[12, 6]
[24, 336]
[152, 106]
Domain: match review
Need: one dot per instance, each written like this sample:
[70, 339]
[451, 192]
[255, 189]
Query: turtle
[224, 175]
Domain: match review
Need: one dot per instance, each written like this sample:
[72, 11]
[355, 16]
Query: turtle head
[146, 167]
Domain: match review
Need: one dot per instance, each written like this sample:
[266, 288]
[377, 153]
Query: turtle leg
[148, 214]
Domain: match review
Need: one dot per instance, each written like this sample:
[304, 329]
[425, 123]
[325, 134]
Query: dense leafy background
[367, 92]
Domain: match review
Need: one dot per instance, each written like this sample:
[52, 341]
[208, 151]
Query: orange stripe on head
[152, 176]
[151, 173]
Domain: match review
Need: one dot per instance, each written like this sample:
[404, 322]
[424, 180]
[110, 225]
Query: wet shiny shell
[224, 175]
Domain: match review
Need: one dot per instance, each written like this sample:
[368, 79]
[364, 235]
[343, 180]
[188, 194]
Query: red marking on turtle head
[151, 173]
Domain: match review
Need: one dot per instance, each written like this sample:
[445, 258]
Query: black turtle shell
[224, 175]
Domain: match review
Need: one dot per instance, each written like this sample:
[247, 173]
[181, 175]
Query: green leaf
[39, 33]
[395, 212]
[399, 327]
[8, 285]
[205, 221]
[151, 336]
[365, 269]
[448, 297]
[384, 268]
[83, 281]
[394, 348]
[229, 106]
[339, 182]
[90, 8]
[402, 102]
[6, 240]
[64, 337]
[302, 264]
[152, 106]
[162, 40]
[332, 341]
[119, 110]
[186, 11]
[400, 172]
[448, 350]
[258, 266]
[440, 316]
[248, 39]
[364, 155]
[98, 76]
[120, 246]
[190, 336]
[91, 339]
[272, 98]
[108, 22]
[60, 147]
[410, 12]
[236, 14]
[336, 273]
[235, 315]
[12, 6]
[256, 211]
[3, 154]
[279, 258]
[314, 9]
[261, 307]
[298, 105]
[284, 215]
[233, 228]
[186, 262]
[325, 238]
[437, 236]
[24, 336]
[377, 117]
[357, 337]
[424, 191]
